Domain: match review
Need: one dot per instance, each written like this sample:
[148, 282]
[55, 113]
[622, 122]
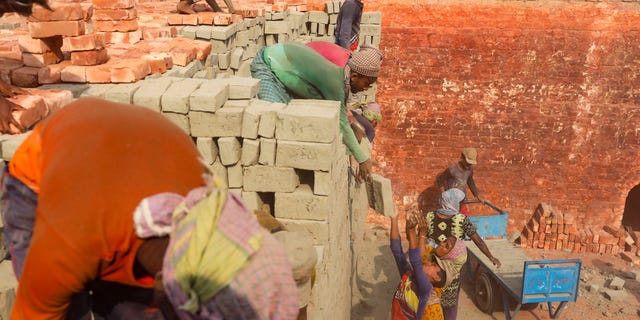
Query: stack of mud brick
[551, 229]
[284, 22]
[234, 39]
[289, 157]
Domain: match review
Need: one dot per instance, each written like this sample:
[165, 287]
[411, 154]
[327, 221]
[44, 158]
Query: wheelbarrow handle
[493, 206]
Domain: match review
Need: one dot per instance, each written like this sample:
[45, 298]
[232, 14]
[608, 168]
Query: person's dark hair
[23, 7]
[443, 279]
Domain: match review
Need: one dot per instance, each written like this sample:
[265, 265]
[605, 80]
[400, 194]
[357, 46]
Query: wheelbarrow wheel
[484, 292]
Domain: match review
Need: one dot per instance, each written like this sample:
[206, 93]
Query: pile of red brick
[99, 42]
[551, 229]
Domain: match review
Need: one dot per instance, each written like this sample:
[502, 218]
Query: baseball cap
[470, 155]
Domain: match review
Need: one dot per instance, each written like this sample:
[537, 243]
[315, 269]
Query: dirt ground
[377, 279]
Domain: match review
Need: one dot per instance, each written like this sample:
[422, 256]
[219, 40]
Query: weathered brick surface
[548, 111]
[89, 57]
[47, 29]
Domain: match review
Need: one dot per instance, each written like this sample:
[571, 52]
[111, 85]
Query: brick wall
[547, 90]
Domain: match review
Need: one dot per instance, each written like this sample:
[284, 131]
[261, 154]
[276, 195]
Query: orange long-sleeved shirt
[93, 162]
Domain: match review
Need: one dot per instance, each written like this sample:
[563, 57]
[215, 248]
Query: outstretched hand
[365, 170]
[496, 262]
[6, 117]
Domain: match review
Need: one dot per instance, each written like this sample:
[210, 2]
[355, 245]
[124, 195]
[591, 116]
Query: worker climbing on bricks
[22, 7]
[292, 70]
[186, 6]
[460, 175]
[125, 209]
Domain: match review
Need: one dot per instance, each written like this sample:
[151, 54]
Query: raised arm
[416, 247]
[396, 247]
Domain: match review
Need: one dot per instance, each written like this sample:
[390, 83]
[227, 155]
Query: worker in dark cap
[460, 175]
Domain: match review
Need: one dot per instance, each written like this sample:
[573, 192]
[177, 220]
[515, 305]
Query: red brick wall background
[549, 92]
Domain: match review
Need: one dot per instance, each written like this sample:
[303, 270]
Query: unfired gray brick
[226, 122]
[237, 104]
[329, 8]
[229, 148]
[150, 93]
[270, 179]
[236, 57]
[242, 88]
[276, 27]
[333, 19]
[322, 184]
[8, 287]
[234, 173]
[220, 170]
[95, 90]
[208, 149]
[302, 120]
[318, 16]
[224, 59]
[380, 190]
[617, 283]
[267, 152]
[176, 97]
[11, 142]
[245, 69]
[305, 155]
[223, 32]
[210, 96]
[268, 119]
[370, 29]
[615, 295]
[301, 204]
[188, 32]
[318, 230]
[204, 32]
[250, 152]
[219, 46]
[252, 200]
[122, 93]
[181, 120]
[211, 61]
[371, 17]
[242, 38]
[250, 122]
[250, 52]
[297, 18]
[280, 15]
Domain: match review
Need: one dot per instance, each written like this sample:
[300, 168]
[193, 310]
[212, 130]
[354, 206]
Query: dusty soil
[377, 279]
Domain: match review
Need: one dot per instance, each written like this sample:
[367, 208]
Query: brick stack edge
[549, 228]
